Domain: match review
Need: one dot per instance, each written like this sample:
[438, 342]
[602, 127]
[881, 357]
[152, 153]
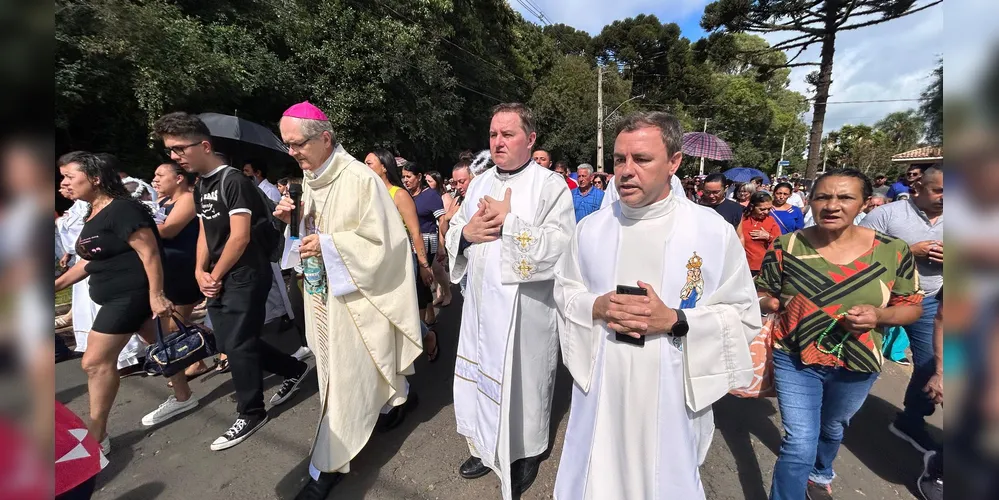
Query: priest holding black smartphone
[681, 305]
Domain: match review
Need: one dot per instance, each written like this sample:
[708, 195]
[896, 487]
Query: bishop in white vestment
[508, 345]
[640, 423]
[361, 316]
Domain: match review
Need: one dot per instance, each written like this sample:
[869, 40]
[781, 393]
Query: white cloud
[892, 60]
[886, 61]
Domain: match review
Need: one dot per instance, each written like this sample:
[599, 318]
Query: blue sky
[883, 62]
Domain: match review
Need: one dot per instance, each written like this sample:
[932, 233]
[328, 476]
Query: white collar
[655, 210]
[322, 168]
[216, 170]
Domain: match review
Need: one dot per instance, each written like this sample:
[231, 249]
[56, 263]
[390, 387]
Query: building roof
[924, 154]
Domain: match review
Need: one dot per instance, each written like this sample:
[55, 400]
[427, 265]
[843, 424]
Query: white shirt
[270, 190]
[796, 200]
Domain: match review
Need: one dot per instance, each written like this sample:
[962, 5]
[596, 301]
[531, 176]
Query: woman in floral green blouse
[833, 285]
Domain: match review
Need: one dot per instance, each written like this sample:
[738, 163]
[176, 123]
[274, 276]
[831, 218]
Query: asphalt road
[419, 460]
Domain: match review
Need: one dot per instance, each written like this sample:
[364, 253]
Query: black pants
[237, 315]
[82, 491]
[297, 304]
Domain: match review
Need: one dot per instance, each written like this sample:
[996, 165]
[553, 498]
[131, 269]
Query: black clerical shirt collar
[515, 171]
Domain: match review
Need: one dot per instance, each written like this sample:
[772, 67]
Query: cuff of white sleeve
[581, 311]
[239, 211]
[337, 276]
[290, 257]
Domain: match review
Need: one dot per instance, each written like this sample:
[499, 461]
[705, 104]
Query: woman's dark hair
[282, 181]
[436, 176]
[417, 170]
[178, 170]
[783, 185]
[865, 182]
[391, 167]
[757, 198]
[102, 168]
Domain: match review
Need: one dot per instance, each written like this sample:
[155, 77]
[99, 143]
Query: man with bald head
[919, 222]
[362, 321]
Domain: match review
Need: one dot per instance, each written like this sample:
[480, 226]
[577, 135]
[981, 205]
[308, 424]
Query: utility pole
[780, 164]
[702, 158]
[600, 118]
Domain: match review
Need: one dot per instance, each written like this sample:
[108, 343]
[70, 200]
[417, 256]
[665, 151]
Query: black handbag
[178, 350]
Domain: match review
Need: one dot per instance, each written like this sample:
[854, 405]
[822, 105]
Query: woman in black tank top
[179, 229]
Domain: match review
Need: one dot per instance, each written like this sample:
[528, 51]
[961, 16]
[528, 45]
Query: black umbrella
[242, 140]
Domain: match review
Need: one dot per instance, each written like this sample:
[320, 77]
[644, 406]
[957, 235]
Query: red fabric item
[78, 455]
[572, 184]
[757, 249]
[22, 474]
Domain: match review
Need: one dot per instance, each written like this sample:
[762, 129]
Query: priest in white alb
[640, 423]
[611, 195]
[361, 316]
[507, 236]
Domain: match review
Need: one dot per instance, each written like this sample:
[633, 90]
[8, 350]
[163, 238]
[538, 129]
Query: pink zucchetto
[305, 110]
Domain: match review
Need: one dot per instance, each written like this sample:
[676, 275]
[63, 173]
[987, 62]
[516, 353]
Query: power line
[497, 99]
[870, 101]
[440, 38]
[545, 20]
[766, 104]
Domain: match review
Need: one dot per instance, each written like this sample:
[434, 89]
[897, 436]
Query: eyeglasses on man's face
[300, 144]
[180, 150]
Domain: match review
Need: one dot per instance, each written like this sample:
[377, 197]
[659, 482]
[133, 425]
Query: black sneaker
[289, 387]
[931, 481]
[916, 435]
[241, 429]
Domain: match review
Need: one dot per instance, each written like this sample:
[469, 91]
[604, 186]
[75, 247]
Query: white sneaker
[106, 445]
[169, 409]
[302, 353]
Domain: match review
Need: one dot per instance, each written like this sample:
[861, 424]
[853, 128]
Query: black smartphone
[630, 290]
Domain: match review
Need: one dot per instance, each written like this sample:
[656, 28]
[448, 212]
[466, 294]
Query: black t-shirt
[115, 268]
[730, 211]
[216, 203]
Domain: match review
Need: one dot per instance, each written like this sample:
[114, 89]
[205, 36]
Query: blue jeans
[917, 405]
[816, 404]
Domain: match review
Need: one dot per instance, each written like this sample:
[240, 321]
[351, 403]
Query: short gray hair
[585, 166]
[312, 128]
[668, 125]
[879, 195]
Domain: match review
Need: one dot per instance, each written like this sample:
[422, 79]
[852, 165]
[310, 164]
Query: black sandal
[222, 365]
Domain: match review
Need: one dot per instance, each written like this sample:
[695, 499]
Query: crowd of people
[649, 288]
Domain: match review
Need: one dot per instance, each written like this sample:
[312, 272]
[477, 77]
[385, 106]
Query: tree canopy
[418, 78]
[807, 23]
[870, 148]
